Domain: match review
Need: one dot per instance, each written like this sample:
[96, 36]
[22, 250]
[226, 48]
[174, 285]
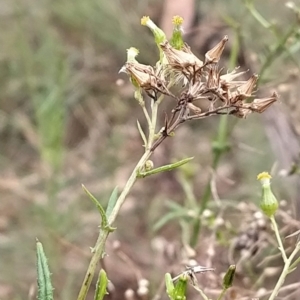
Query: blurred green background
[67, 117]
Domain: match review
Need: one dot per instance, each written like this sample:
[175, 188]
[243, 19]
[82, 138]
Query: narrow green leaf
[169, 285]
[104, 221]
[291, 270]
[141, 133]
[168, 217]
[174, 206]
[164, 168]
[101, 286]
[45, 289]
[112, 201]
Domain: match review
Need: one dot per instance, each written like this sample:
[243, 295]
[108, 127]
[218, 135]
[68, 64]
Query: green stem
[99, 248]
[146, 115]
[220, 148]
[284, 273]
[277, 51]
[295, 263]
[104, 232]
[222, 294]
[152, 125]
[279, 241]
[257, 15]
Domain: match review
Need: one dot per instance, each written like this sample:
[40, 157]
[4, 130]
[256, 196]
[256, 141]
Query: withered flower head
[247, 88]
[143, 76]
[257, 105]
[196, 90]
[194, 108]
[243, 111]
[182, 60]
[229, 78]
[260, 105]
[213, 79]
[213, 55]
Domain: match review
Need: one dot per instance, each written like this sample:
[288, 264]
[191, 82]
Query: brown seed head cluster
[197, 81]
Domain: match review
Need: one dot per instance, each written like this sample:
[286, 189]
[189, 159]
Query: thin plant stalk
[222, 143]
[287, 262]
[279, 241]
[98, 250]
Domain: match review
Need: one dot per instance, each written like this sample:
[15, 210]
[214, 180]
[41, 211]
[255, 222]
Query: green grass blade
[45, 289]
[101, 286]
[168, 217]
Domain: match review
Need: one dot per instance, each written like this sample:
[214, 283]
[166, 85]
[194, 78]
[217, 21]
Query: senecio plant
[269, 206]
[197, 88]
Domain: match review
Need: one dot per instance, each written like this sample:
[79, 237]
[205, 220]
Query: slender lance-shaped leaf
[101, 286]
[164, 168]
[112, 201]
[104, 221]
[141, 132]
[45, 289]
[168, 217]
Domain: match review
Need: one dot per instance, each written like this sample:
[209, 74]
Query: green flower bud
[229, 276]
[268, 203]
[176, 39]
[180, 288]
[148, 165]
[159, 35]
[132, 53]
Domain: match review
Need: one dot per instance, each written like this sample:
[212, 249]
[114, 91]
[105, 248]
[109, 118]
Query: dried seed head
[260, 105]
[242, 112]
[141, 75]
[213, 55]
[196, 90]
[230, 77]
[181, 60]
[194, 108]
[213, 79]
[247, 88]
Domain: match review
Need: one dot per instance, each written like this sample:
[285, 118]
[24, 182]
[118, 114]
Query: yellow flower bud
[268, 203]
